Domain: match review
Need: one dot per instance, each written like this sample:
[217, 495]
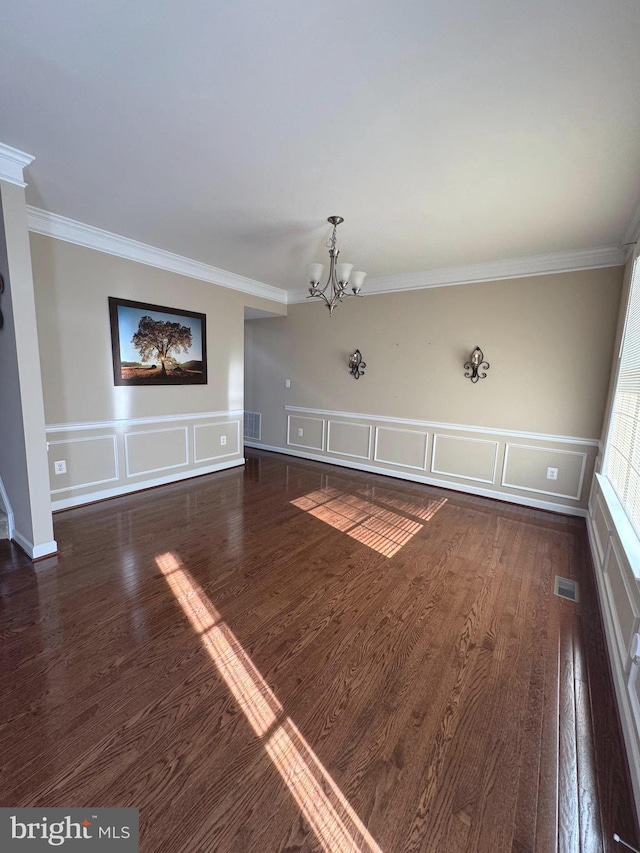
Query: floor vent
[253, 425]
[565, 588]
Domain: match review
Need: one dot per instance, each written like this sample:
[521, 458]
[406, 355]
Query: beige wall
[116, 438]
[24, 481]
[548, 339]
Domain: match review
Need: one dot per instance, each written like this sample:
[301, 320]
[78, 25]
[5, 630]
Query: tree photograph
[155, 345]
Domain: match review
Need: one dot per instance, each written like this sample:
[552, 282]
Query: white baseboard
[103, 494]
[625, 711]
[429, 481]
[35, 552]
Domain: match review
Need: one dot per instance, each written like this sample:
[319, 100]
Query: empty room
[320, 426]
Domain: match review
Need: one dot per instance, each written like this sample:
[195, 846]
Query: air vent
[253, 425]
[565, 588]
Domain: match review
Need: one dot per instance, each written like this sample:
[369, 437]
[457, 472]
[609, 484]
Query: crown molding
[71, 231]
[558, 262]
[12, 164]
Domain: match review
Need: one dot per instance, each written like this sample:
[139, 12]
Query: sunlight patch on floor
[375, 526]
[333, 821]
[417, 507]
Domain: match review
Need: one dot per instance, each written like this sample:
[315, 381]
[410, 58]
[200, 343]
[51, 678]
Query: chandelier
[340, 275]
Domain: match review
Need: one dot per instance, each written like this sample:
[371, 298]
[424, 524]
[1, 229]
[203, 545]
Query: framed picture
[153, 345]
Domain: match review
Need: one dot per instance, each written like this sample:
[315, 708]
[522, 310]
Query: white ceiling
[445, 133]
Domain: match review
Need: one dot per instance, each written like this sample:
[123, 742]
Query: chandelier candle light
[340, 275]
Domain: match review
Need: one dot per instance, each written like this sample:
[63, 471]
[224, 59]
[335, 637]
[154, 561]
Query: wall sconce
[476, 362]
[356, 364]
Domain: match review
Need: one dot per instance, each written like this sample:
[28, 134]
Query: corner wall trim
[12, 165]
[5, 506]
[428, 481]
[72, 231]
[35, 552]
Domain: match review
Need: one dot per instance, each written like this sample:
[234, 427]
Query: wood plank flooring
[295, 657]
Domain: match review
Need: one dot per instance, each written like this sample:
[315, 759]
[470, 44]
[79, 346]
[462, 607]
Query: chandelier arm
[331, 279]
[320, 295]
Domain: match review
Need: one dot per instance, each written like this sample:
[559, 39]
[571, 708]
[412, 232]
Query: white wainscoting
[128, 455]
[504, 464]
[616, 558]
[144, 448]
[208, 441]
[405, 447]
[349, 439]
[96, 465]
[525, 465]
[458, 459]
[305, 432]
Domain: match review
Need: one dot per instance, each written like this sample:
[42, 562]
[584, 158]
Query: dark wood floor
[298, 657]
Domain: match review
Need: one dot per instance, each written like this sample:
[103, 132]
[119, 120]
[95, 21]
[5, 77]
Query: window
[622, 459]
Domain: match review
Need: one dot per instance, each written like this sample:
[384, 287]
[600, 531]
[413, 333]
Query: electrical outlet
[60, 467]
[552, 473]
[300, 432]
[287, 383]
[223, 439]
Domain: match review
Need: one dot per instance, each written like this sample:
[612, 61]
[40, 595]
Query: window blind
[622, 458]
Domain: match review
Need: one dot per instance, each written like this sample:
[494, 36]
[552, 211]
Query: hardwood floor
[294, 657]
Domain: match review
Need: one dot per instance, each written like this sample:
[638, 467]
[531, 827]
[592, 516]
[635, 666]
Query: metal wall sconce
[356, 364]
[475, 364]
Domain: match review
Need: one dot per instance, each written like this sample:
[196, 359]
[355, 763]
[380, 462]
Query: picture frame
[157, 345]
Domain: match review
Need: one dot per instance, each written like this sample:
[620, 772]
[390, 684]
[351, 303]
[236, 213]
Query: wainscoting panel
[109, 458]
[506, 464]
[621, 604]
[525, 468]
[405, 447]
[215, 441]
[152, 451]
[600, 526]
[468, 458]
[349, 439]
[305, 432]
[615, 549]
[90, 462]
